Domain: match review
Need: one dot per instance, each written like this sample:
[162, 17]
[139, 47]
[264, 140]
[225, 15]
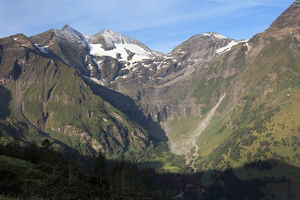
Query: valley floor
[187, 144]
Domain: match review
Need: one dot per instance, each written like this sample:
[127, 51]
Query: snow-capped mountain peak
[69, 34]
[214, 35]
[113, 37]
[115, 45]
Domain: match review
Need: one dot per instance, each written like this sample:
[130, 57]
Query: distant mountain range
[216, 101]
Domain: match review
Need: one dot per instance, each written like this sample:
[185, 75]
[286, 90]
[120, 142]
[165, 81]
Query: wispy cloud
[159, 23]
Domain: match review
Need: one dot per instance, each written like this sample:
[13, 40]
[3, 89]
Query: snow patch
[227, 47]
[248, 46]
[43, 49]
[134, 69]
[219, 36]
[120, 50]
[125, 76]
[130, 65]
[89, 67]
[246, 40]
[71, 35]
[97, 81]
[216, 35]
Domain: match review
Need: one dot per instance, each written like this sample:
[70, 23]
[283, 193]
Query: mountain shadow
[270, 179]
[258, 180]
[128, 106]
[5, 97]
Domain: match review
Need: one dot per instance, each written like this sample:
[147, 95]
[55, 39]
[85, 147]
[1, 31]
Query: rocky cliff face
[33, 70]
[66, 45]
[265, 77]
[288, 20]
[153, 80]
[50, 98]
[204, 47]
[115, 93]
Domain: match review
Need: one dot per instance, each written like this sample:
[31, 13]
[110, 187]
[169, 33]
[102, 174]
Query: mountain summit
[212, 104]
[205, 46]
[212, 94]
[288, 21]
[116, 45]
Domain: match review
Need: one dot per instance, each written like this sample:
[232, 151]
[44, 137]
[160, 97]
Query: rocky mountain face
[204, 46]
[258, 118]
[52, 106]
[221, 102]
[288, 21]
[47, 98]
[148, 79]
[113, 44]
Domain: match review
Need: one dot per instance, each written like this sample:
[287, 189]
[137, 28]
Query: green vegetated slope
[34, 172]
[205, 88]
[43, 95]
[260, 119]
[39, 172]
[52, 100]
[76, 116]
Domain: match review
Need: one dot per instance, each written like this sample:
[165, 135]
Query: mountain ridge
[172, 92]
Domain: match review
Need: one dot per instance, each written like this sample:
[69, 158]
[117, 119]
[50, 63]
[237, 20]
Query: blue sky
[159, 24]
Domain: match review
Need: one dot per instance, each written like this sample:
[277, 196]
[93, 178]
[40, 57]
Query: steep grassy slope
[53, 100]
[205, 88]
[264, 118]
[259, 117]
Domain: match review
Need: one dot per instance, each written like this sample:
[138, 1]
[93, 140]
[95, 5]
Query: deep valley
[105, 117]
